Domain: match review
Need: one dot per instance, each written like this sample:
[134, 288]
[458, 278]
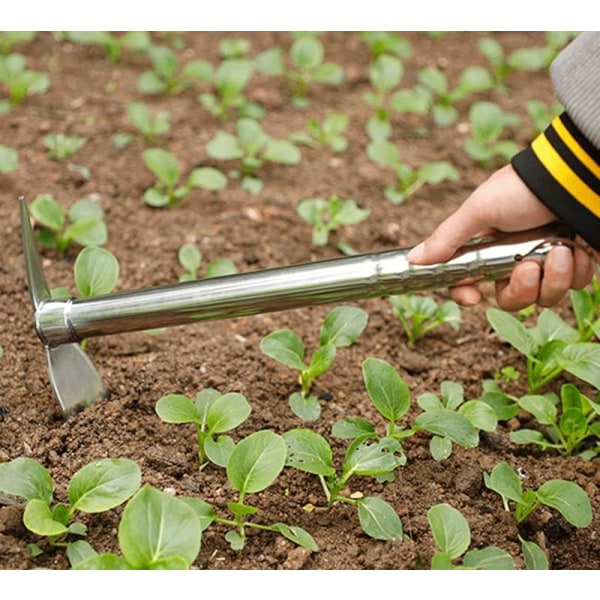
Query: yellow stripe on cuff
[564, 176]
[582, 156]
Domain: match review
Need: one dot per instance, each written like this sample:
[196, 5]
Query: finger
[558, 275]
[465, 295]
[450, 235]
[522, 289]
[584, 268]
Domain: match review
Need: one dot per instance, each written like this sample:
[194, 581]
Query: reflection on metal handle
[283, 288]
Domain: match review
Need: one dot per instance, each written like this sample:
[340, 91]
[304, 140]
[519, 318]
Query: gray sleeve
[575, 75]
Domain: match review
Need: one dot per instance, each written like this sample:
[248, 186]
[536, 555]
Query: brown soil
[88, 95]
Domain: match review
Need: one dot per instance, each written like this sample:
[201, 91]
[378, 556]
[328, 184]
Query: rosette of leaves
[83, 223]
[20, 81]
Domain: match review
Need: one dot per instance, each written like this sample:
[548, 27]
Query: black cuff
[562, 168]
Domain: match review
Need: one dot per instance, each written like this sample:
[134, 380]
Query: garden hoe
[62, 324]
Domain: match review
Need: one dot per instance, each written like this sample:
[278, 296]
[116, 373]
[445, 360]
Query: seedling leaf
[379, 520]
[385, 387]
[569, 499]
[285, 346]
[256, 462]
[26, 478]
[450, 530]
[39, 518]
[96, 271]
[157, 527]
[308, 451]
[104, 484]
[343, 325]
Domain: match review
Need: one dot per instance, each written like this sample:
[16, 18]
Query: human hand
[504, 203]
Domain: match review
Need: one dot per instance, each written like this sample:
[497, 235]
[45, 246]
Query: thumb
[447, 238]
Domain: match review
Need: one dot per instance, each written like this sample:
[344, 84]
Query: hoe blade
[73, 377]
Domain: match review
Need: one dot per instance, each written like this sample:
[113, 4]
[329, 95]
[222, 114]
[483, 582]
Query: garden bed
[87, 96]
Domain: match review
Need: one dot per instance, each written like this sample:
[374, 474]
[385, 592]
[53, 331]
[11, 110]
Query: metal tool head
[74, 380]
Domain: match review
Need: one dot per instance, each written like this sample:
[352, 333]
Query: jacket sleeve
[562, 165]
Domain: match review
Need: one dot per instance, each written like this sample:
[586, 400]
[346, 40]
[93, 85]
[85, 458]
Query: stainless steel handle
[283, 288]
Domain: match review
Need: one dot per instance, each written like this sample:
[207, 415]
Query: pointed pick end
[73, 377]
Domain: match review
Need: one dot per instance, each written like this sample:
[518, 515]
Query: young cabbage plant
[228, 100]
[329, 132]
[452, 535]
[327, 216]
[20, 81]
[212, 414]
[452, 420]
[83, 223]
[541, 115]
[408, 179]
[9, 159]
[114, 45]
[550, 347]
[586, 308]
[167, 76]
[166, 191]
[567, 423]
[305, 69]
[310, 452]
[488, 124]
[157, 531]
[190, 258]
[419, 315]
[252, 147]
[385, 74]
[566, 497]
[341, 327]
[151, 125]
[386, 42]
[443, 99]
[253, 465]
[97, 487]
[391, 398]
[61, 146]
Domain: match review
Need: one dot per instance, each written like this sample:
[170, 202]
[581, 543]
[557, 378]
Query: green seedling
[167, 76]
[9, 159]
[568, 498]
[408, 179]
[151, 125]
[341, 327]
[83, 223]
[19, 81]
[521, 59]
[253, 465]
[452, 535]
[390, 396]
[488, 124]
[167, 191]
[452, 420]
[541, 114]
[443, 99]
[212, 414]
[419, 315]
[385, 74]
[586, 308]
[386, 42]
[327, 216]
[8, 39]
[97, 487]
[190, 258]
[306, 69]
[253, 148]
[567, 423]
[329, 132]
[234, 47]
[157, 531]
[310, 452]
[114, 45]
[550, 347]
[61, 146]
[229, 101]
